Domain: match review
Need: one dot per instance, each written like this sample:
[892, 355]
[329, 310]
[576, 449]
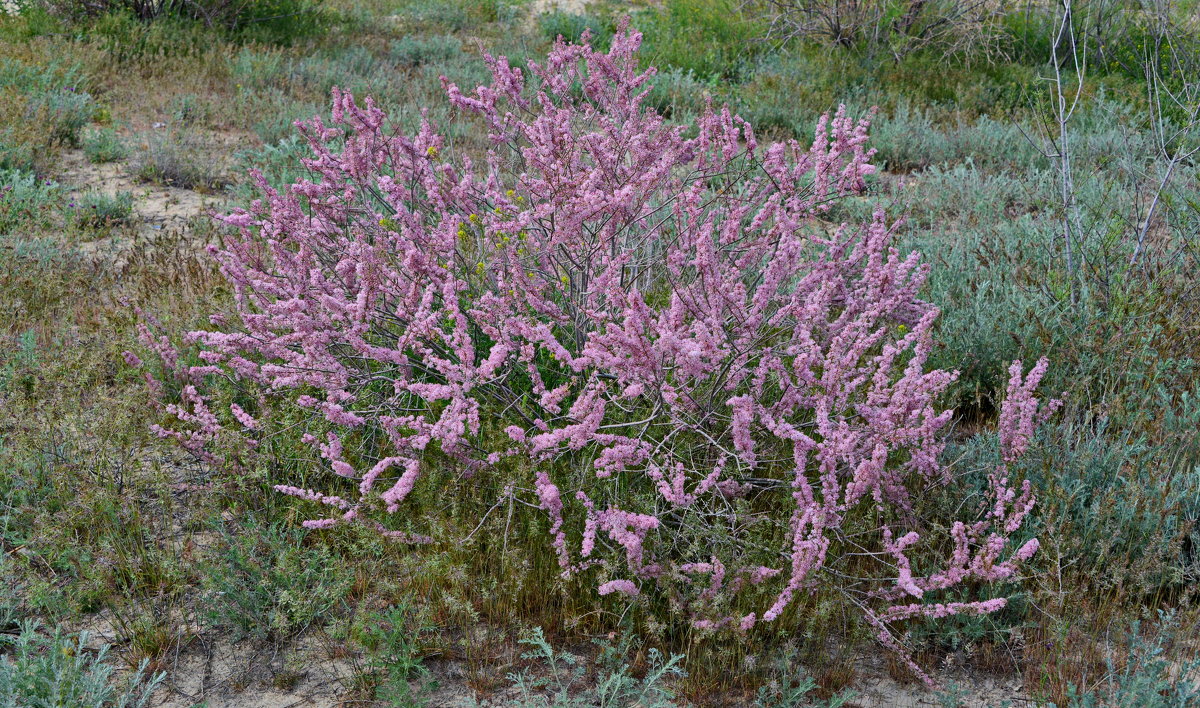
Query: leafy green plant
[65, 110]
[791, 687]
[678, 94]
[57, 671]
[279, 163]
[1145, 671]
[893, 27]
[395, 640]
[103, 145]
[559, 681]
[43, 107]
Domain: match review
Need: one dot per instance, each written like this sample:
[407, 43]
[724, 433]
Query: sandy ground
[571, 7]
[313, 670]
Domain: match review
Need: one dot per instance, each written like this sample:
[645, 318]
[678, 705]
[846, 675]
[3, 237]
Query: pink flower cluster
[653, 316]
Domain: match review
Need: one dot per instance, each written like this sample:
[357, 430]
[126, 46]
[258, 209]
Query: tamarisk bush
[710, 393]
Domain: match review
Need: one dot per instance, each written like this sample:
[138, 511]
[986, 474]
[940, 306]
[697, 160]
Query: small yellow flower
[903, 329]
[474, 218]
[432, 151]
[509, 194]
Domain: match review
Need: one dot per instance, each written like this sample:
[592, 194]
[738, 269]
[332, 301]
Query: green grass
[179, 157]
[262, 583]
[103, 145]
[571, 28]
[712, 39]
[96, 210]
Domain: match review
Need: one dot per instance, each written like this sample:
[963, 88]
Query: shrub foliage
[716, 399]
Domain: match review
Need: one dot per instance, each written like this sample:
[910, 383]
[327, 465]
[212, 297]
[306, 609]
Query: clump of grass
[282, 22]
[149, 629]
[677, 94]
[1149, 664]
[269, 21]
[452, 15]
[257, 67]
[125, 39]
[103, 145]
[20, 358]
[189, 109]
[571, 28]
[710, 38]
[17, 143]
[262, 583]
[179, 159]
[417, 50]
[790, 686]
[355, 69]
[97, 210]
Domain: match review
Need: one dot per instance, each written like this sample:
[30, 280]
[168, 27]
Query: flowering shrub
[708, 392]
